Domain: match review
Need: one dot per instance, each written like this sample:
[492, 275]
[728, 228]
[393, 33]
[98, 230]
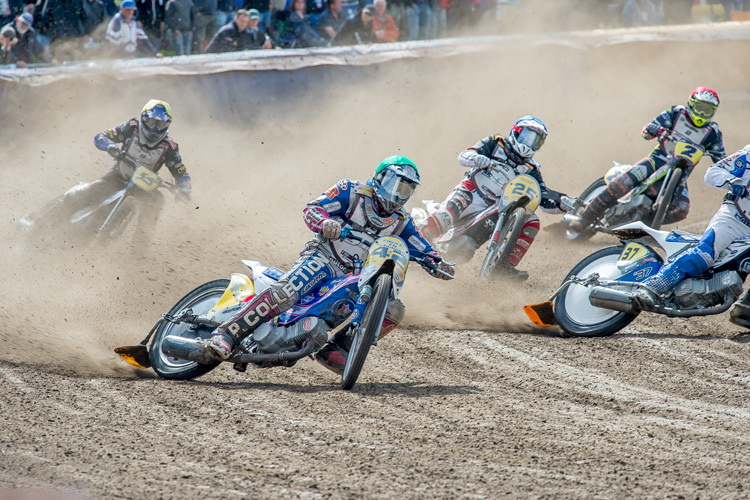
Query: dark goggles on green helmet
[396, 185]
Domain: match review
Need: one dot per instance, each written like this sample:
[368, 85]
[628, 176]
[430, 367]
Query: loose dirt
[466, 400]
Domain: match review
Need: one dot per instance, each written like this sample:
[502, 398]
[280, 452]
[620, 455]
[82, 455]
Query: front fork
[495, 236]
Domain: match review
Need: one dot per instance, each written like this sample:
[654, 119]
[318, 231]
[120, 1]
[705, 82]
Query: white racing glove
[330, 229]
[482, 162]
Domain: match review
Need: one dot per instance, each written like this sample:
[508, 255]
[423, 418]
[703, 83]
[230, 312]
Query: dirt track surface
[465, 400]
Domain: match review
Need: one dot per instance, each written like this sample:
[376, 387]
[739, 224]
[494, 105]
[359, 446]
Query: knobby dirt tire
[666, 200]
[202, 299]
[575, 315]
[372, 319]
[509, 234]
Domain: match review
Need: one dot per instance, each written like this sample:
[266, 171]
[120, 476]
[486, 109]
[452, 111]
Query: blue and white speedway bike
[597, 296]
[177, 350]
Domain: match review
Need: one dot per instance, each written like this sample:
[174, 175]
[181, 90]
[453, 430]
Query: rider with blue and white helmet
[515, 152]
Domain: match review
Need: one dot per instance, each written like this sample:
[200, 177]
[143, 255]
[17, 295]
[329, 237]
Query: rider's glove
[656, 130]
[114, 151]
[184, 184]
[438, 262]
[446, 268]
[482, 162]
[652, 129]
[739, 189]
[330, 229]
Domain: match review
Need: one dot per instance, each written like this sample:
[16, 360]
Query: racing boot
[595, 209]
[645, 299]
[221, 344]
[740, 312]
[257, 311]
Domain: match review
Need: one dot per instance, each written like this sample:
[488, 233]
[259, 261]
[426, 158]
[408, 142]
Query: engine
[692, 293]
[271, 339]
[635, 209]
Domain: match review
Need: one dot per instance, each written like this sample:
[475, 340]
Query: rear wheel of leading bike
[573, 311]
[200, 300]
[666, 199]
[508, 236]
[369, 329]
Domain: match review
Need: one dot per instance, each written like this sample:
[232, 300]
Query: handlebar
[425, 260]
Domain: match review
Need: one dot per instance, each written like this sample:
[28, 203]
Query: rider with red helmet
[692, 122]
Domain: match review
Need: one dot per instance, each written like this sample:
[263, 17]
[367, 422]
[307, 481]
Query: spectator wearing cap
[125, 37]
[7, 40]
[331, 19]
[180, 21]
[357, 29]
[383, 27]
[258, 37]
[27, 47]
[233, 36]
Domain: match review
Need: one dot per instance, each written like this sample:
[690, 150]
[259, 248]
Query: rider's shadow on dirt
[413, 389]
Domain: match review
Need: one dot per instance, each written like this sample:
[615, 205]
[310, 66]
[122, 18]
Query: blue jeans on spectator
[181, 42]
[419, 21]
[438, 21]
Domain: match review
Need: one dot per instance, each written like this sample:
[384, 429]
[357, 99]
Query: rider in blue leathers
[373, 209]
[732, 221]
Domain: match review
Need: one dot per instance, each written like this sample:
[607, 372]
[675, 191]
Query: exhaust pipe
[193, 350]
[616, 300]
[190, 349]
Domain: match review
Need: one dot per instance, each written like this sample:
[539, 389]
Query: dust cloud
[68, 305]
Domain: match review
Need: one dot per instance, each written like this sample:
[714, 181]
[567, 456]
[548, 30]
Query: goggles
[531, 138]
[702, 109]
[152, 123]
[397, 186]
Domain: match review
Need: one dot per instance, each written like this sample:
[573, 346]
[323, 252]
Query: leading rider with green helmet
[374, 209]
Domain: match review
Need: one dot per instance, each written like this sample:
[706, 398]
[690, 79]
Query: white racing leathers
[731, 222]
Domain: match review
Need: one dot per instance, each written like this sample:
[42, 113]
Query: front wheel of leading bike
[368, 330]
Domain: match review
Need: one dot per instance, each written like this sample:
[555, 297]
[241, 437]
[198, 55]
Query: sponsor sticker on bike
[633, 252]
[688, 151]
[145, 179]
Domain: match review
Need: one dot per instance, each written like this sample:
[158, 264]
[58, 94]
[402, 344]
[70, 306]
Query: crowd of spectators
[33, 30]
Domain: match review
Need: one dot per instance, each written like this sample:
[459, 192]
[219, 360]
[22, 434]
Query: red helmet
[702, 105]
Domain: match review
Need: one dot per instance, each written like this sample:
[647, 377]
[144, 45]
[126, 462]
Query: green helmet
[394, 181]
